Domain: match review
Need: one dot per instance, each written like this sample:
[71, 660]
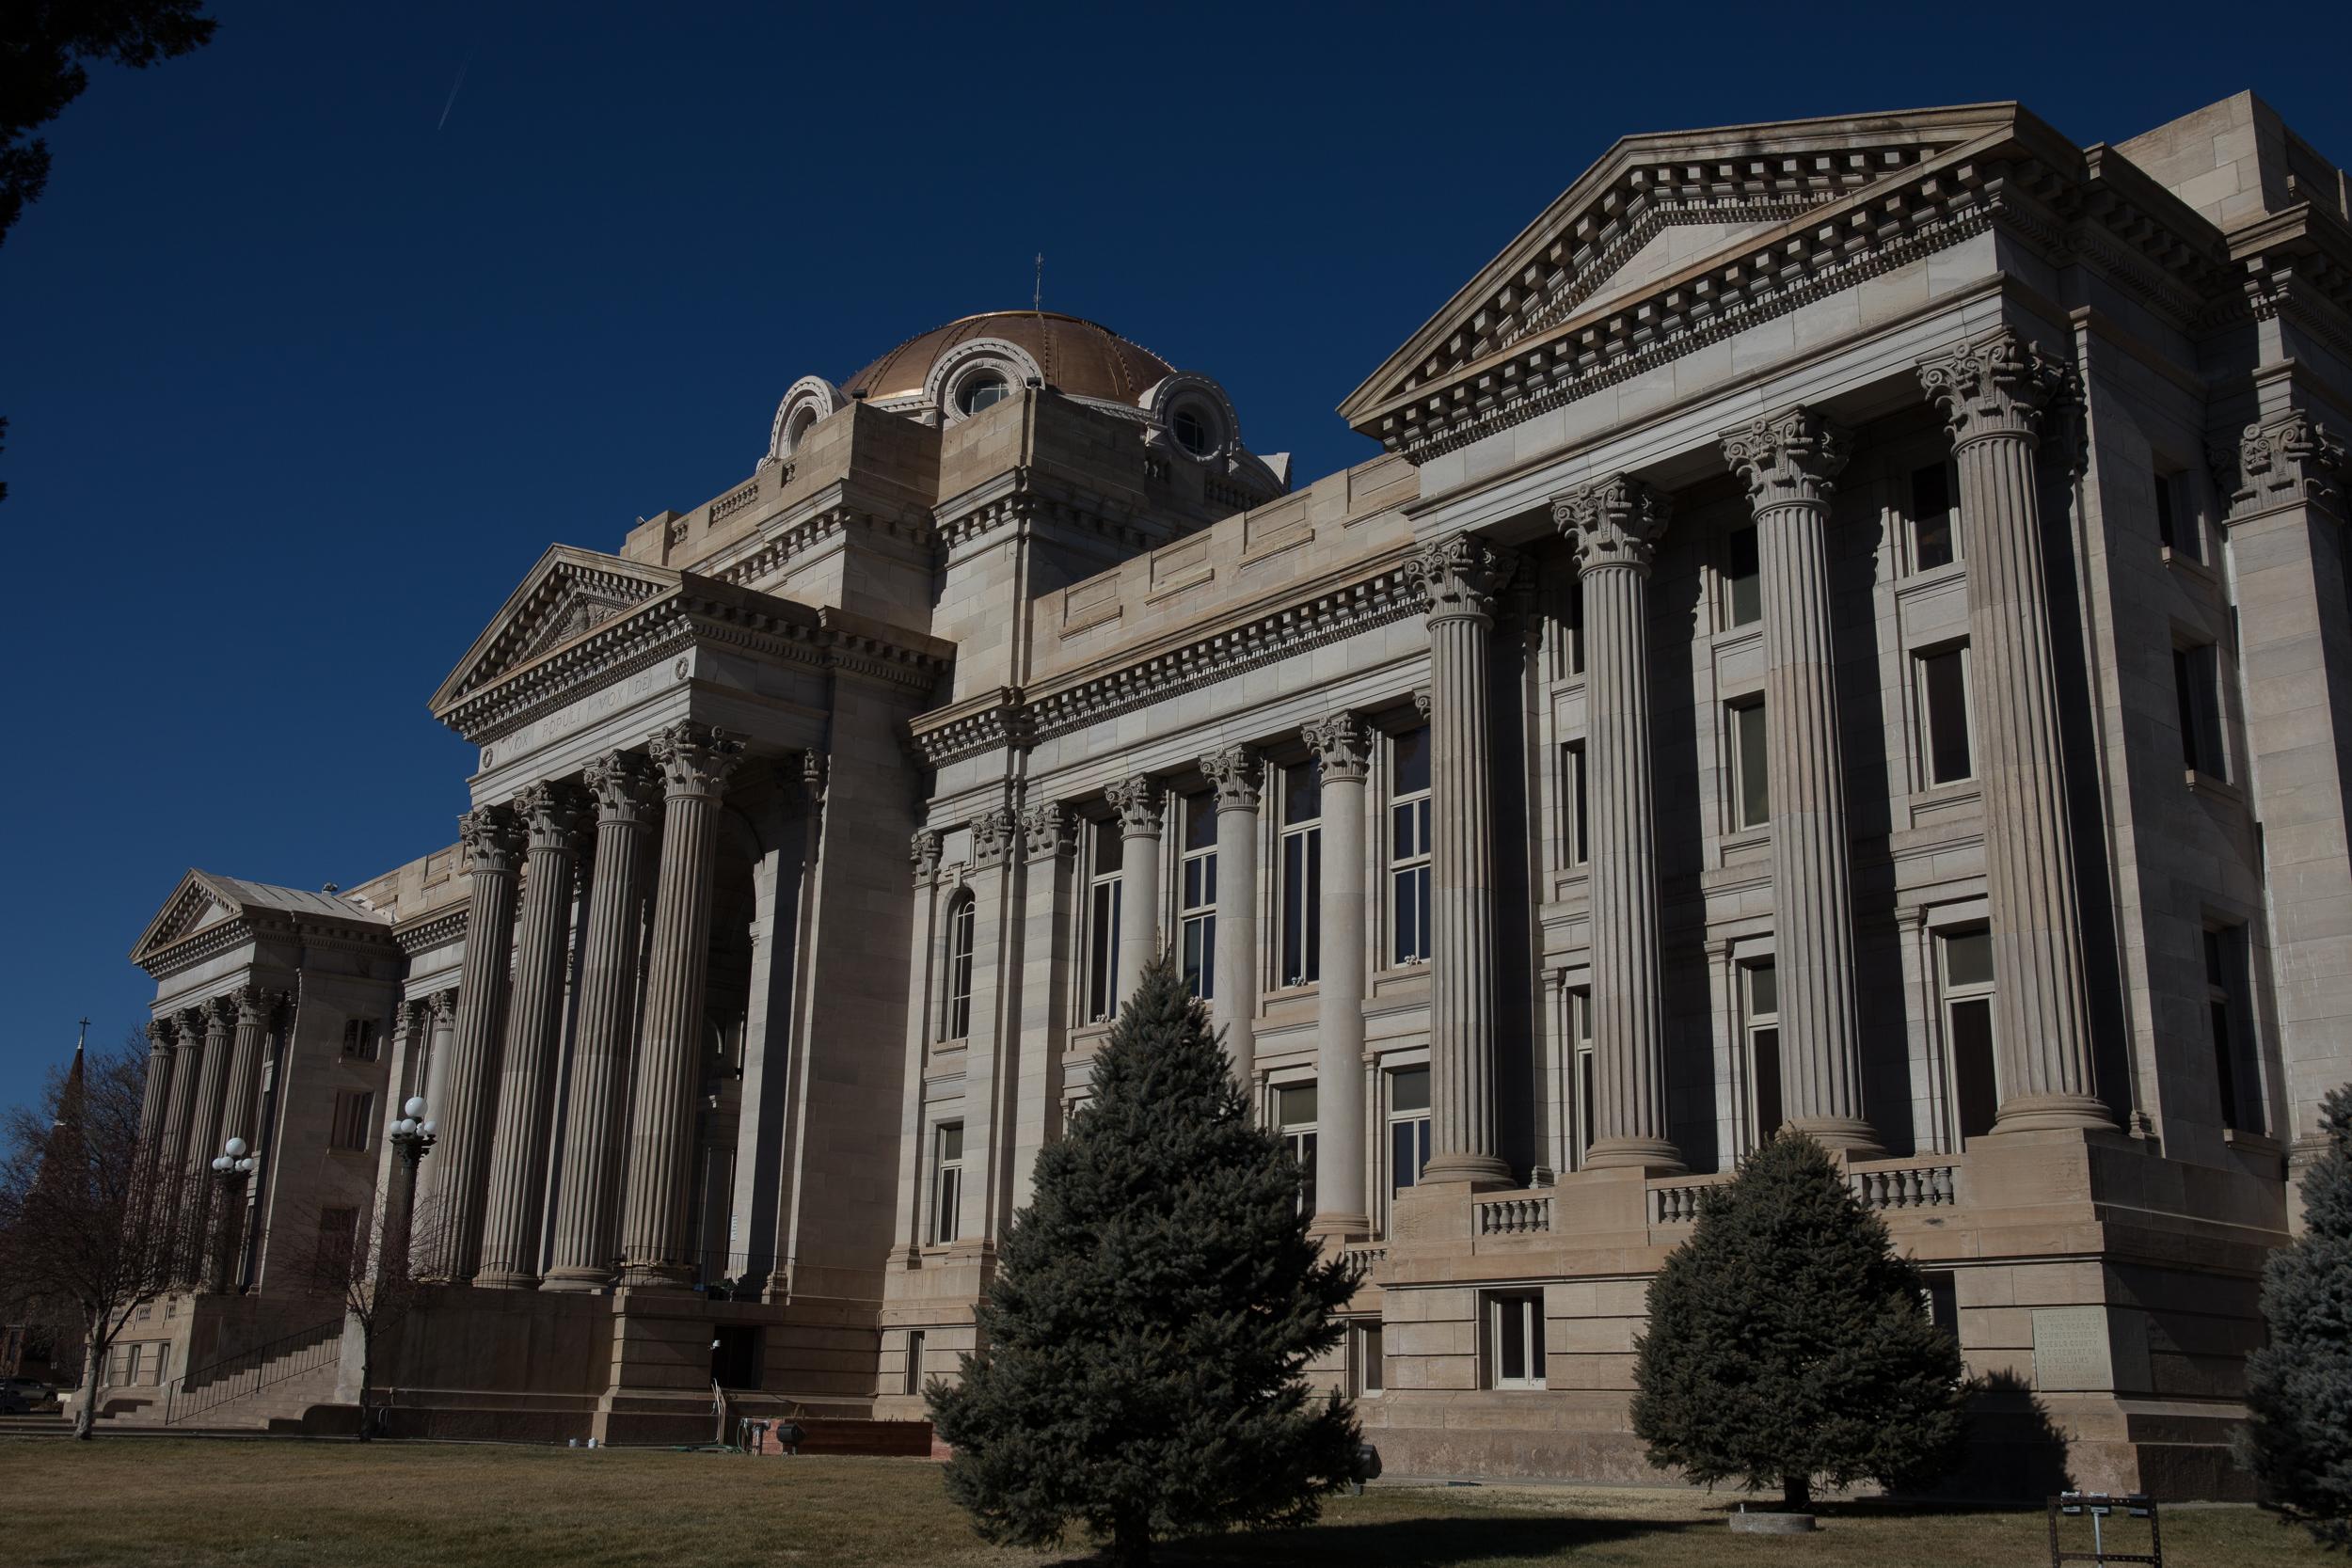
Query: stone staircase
[266, 1388]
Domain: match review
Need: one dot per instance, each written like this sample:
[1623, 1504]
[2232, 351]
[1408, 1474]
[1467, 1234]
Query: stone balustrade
[1676, 1202]
[1520, 1214]
[1933, 1184]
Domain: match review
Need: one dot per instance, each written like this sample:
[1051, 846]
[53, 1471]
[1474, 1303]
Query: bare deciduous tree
[372, 1270]
[82, 1247]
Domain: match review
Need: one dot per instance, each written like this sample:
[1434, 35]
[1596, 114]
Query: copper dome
[1079, 356]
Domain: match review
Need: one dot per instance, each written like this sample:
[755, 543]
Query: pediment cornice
[566, 596]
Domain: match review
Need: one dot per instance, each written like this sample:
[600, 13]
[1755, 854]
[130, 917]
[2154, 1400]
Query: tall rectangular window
[1103, 863]
[2197, 685]
[1743, 581]
[2176, 526]
[1198, 911]
[1302, 874]
[2233, 1064]
[1577, 829]
[1295, 1114]
[359, 1040]
[1365, 1371]
[339, 1239]
[1580, 1043]
[1934, 541]
[1572, 625]
[1409, 1126]
[963, 926]
[1761, 1018]
[355, 1115]
[914, 1362]
[1408, 848]
[1751, 767]
[947, 1183]
[1944, 753]
[1967, 965]
[1514, 1340]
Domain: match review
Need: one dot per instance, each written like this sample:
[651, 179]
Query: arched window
[962, 923]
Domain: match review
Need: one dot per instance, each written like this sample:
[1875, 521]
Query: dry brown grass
[263, 1504]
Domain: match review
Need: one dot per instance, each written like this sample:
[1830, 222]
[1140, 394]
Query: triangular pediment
[1652, 210]
[197, 903]
[566, 596]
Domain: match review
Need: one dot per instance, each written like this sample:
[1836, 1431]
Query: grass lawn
[265, 1504]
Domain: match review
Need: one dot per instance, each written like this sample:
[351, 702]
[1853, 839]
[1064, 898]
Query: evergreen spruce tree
[1153, 1307]
[2299, 1388]
[1788, 1343]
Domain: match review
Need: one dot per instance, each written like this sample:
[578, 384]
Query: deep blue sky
[301, 380]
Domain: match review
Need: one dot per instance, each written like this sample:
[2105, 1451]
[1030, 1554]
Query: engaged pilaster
[1991, 394]
[695, 761]
[1343, 745]
[605, 1034]
[516, 1215]
[1613, 528]
[1235, 773]
[1137, 801]
[1457, 579]
[460, 1170]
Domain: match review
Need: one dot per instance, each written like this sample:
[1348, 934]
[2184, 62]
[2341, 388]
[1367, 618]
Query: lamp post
[234, 1166]
[413, 1136]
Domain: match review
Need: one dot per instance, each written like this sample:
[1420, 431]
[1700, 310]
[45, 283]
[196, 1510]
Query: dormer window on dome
[982, 388]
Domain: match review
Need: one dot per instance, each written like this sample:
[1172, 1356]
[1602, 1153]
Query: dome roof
[1081, 357]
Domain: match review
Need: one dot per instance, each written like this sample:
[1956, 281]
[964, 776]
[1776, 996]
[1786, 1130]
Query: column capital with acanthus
[1235, 771]
[160, 1033]
[1617, 522]
[189, 1022]
[1343, 744]
[1138, 803]
[923, 854]
[257, 1005]
[621, 784]
[552, 813]
[1460, 577]
[1996, 385]
[1049, 831]
[695, 759]
[2292, 459]
[1791, 457]
[994, 833]
[492, 837]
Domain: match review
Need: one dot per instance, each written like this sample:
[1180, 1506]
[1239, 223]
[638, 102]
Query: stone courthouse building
[1847, 631]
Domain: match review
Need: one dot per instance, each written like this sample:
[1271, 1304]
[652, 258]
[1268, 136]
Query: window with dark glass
[1751, 790]
[1295, 1114]
[1408, 847]
[1934, 541]
[914, 1362]
[2235, 1069]
[1193, 433]
[947, 1183]
[1572, 624]
[1197, 910]
[1968, 963]
[1514, 1340]
[1102, 915]
[1763, 1030]
[1302, 874]
[963, 924]
[1576, 831]
[984, 390]
[1409, 1126]
[2197, 685]
[1943, 730]
[2176, 528]
[1743, 582]
[353, 1120]
[1581, 1037]
[1365, 1371]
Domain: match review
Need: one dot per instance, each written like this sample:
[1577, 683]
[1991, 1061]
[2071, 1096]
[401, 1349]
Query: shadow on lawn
[1435, 1541]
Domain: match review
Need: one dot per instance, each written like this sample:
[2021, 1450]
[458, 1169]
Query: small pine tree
[1788, 1343]
[2299, 1388]
[1153, 1308]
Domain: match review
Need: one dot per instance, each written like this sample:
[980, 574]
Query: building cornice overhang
[1373, 594]
[253, 929]
[2297, 265]
[428, 931]
[177, 938]
[532, 624]
[699, 611]
[2068, 204]
[829, 513]
[1026, 493]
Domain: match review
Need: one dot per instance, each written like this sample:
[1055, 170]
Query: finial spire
[1036, 296]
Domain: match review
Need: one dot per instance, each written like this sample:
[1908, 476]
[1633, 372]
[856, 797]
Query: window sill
[1744, 838]
[1726, 636]
[2212, 784]
[2188, 565]
[1923, 579]
[2251, 1143]
[942, 1047]
[1523, 1387]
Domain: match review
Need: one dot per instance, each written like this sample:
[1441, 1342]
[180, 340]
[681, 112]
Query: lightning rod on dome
[1036, 296]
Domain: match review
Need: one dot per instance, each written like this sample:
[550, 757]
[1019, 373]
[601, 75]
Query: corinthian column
[516, 1215]
[218, 1022]
[1991, 394]
[695, 761]
[256, 1009]
[492, 839]
[171, 1158]
[1343, 746]
[1615, 527]
[1233, 1008]
[1137, 801]
[154, 1100]
[1790, 462]
[1458, 580]
[604, 1044]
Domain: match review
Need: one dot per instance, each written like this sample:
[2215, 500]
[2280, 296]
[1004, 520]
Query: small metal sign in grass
[2105, 1514]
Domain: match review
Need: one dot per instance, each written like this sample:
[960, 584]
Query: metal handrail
[181, 1395]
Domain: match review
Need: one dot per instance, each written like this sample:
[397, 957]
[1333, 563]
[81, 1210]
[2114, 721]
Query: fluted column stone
[604, 1046]
[1237, 773]
[1789, 462]
[1457, 579]
[514, 1217]
[218, 1021]
[1991, 394]
[257, 1009]
[154, 1106]
[460, 1167]
[1137, 801]
[695, 761]
[1614, 526]
[171, 1159]
[1343, 744]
